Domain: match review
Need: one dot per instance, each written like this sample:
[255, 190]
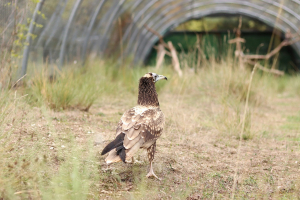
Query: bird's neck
[147, 92]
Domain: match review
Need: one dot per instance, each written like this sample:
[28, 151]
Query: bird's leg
[151, 172]
[151, 151]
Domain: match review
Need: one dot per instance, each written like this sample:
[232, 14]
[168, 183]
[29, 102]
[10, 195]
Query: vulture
[140, 126]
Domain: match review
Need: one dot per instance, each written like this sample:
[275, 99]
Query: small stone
[98, 138]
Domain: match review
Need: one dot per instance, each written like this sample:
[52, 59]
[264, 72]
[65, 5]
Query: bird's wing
[138, 127]
[146, 125]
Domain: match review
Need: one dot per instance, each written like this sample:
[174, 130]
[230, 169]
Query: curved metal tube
[137, 17]
[161, 22]
[89, 30]
[56, 24]
[141, 24]
[159, 15]
[148, 36]
[110, 22]
[49, 24]
[66, 32]
[200, 14]
[28, 38]
[288, 10]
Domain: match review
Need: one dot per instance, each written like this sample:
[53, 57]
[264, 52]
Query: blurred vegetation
[221, 23]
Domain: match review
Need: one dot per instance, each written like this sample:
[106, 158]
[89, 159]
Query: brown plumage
[140, 126]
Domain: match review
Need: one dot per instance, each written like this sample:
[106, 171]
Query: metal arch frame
[38, 8]
[53, 18]
[90, 28]
[56, 24]
[104, 18]
[66, 33]
[137, 30]
[163, 15]
[199, 5]
[149, 35]
[110, 22]
[160, 16]
[287, 9]
[135, 5]
[115, 12]
[215, 10]
[136, 17]
[146, 33]
[134, 35]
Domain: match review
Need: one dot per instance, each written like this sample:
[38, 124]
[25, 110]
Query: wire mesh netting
[61, 31]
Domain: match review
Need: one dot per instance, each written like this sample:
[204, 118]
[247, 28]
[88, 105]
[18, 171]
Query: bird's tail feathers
[114, 144]
[112, 157]
[119, 154]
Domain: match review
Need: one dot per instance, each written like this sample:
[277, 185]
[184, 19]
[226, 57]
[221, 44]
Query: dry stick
[273, 33]
[162, 42]
[161, 52]
[199, 53]
[284, 43]
[239, 45]
[158, 35]
[241, 134]
[18, 81]
[175, 60]
[169, 46]
[274, 71]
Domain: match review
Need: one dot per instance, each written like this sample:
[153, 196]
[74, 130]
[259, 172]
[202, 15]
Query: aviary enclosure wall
[69, 30]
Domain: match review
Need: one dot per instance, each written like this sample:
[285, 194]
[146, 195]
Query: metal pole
[109, 24]
[91, 25]
[66, 32]
[56, 25]
[49, 24]
[28, 38]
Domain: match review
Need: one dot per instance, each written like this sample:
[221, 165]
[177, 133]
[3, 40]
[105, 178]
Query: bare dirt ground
[195, 158]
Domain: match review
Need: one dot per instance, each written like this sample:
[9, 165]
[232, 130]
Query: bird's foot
[151, 173]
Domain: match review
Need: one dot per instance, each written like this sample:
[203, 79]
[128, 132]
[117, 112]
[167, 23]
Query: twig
[284, 43]
[26, 191]
[175, 59]
[155, 33]
[241, 135]
[274, 71]
[170, 47]
[238, 40]
[160, 55]
[158, 35]
[18, 81]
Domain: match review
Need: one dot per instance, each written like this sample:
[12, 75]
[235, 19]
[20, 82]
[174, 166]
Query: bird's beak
[159, 77]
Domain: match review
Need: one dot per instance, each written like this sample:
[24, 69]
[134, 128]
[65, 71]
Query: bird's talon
[152, 174]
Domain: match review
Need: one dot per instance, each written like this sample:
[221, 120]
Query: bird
[140, 126]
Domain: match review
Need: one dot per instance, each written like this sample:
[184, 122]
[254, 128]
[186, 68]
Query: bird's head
[154, 76]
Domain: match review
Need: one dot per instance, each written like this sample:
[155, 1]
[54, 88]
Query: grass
[51, 134]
